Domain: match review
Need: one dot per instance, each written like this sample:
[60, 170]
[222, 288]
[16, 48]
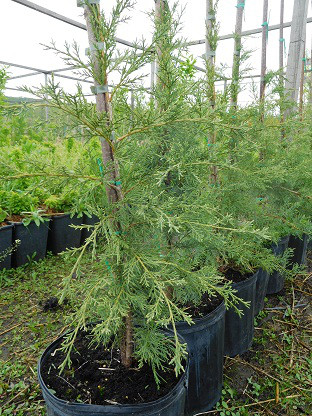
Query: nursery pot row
[276, 279]
[55, 235]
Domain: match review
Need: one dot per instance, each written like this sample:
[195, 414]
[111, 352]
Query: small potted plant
[29, 226]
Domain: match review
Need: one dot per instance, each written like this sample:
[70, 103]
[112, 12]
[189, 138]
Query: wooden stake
[296, 50]
[265, 26]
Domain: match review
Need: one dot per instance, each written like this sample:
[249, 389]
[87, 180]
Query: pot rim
[31, 222]
[204, 318]
[8, 225]
[46, 391]
[247, 281]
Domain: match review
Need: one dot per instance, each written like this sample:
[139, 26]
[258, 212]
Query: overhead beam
[64, 19]
[73, 78]
[38, 70]
[24, 75]
[41, 71]
[245, 33]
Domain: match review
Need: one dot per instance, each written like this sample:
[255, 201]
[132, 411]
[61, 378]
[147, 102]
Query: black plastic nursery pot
[300, 247]
[33, 242]
[276, 279]
[171, 404]
[85, 233]
[6, 239]
[239, 330]
[205, 340]
[61, 235]
[261, 289]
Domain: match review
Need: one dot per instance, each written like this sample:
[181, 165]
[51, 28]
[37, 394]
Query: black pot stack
[56, 235]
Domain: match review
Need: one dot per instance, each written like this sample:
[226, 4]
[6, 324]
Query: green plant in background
[3, 215]
[15, 203]
[34, 216]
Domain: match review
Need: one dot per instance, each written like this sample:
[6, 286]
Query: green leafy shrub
[16, 203]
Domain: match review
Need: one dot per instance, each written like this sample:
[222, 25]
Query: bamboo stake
[301, 95]
[46, 108]
[265, 25]
[132, 107]
[153, 70]
[237, 52]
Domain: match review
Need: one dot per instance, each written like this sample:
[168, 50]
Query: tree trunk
[237, 52]
[126, 347]
[113, 185]
[210, 68]
[281, 63]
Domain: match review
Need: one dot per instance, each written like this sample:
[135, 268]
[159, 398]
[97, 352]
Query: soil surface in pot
[206, 306]
[96, 376]
[49, 211]
[15, 218]
[234, 275]
[3, 224]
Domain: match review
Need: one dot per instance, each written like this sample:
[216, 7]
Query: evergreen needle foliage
[166, 229]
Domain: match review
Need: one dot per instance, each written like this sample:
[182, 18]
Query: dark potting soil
[235, 275]
[3, 224]
[49, 211]
[15, 218]
[52, 304]
[206, 306]
[96, 376]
